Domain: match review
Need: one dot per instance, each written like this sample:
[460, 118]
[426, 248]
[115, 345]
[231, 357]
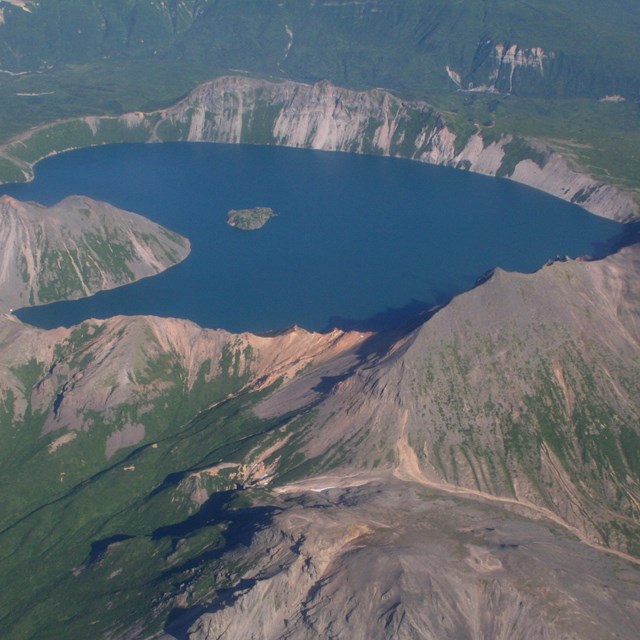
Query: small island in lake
[250, 219]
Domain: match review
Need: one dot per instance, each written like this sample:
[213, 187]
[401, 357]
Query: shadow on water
[629, 236]
[388, 329]
[383, 321]
[416, 312]
[242, 524]
[408, 316]
[392, 325]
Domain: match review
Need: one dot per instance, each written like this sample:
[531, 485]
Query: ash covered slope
[392, 560]
[75, 248]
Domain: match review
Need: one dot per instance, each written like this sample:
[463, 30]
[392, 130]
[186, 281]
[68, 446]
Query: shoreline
[322, 117]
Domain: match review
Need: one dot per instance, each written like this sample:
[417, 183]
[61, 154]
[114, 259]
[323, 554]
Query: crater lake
[360, 241]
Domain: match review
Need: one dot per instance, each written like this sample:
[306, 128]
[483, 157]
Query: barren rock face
[76, 248]
[323, 116]
[394, 561]
[238, 109]
[524, 388]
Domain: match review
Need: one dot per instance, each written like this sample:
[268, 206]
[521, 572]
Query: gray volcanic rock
[75, 248]
[390, 560]
[112, 371]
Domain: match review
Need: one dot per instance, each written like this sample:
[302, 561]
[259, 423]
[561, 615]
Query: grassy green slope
[602, 137]
[525, 387]
[403, 44]
[125, 538]
[65, 504]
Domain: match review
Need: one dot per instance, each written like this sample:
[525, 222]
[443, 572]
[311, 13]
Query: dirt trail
[408, 469]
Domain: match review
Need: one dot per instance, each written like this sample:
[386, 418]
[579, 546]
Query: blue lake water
[360, 241]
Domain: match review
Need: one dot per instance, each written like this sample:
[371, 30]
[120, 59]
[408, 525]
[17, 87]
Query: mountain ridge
[475, 474]
[237, 109]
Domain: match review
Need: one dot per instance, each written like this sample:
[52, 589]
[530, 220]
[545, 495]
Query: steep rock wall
[322, 116]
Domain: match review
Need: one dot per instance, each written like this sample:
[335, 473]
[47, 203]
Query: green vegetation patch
[250, 219]
[601, 138]
[52, 139]
[258, 124]
[515, 152]
[120, 538]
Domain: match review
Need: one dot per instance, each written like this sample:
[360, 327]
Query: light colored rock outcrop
[323, 116]
[502, 62]
[237, 109]
[559, 179]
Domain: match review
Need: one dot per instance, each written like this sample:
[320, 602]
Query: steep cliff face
[76, 248]
[500, 67]
[323, 116]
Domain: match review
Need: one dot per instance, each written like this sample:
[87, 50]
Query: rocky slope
[118, 373]
[322, 116]
[524, 388]
[76, 248]
[520, 396]
[392, 561]
[214, 485]
[128, 413]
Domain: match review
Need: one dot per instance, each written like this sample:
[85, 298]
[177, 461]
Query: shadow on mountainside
[242, 524]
